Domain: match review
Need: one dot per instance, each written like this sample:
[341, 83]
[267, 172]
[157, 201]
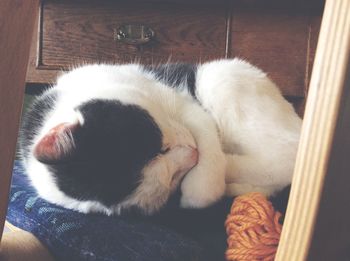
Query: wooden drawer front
[278, 36]
[83, 31]
[279, 42]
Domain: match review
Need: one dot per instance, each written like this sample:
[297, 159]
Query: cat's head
[111, 157]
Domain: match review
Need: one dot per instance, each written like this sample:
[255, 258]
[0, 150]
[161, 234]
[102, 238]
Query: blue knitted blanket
[70, 235]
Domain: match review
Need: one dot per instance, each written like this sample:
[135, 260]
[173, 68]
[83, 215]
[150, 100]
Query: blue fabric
[70, 235]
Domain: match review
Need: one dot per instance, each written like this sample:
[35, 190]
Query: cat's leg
[205, 183]
[248, 173]
[253, 119]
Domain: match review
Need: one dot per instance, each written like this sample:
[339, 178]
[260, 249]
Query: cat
[108, 138]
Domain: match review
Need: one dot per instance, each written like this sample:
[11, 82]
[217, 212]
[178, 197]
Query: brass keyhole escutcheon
[134, 34]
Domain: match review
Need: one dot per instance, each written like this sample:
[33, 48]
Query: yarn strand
[253, 229]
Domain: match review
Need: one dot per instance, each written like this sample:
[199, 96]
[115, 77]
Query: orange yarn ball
[253, 229]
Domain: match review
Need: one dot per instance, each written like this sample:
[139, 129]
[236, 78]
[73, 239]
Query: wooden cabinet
[74, 33]
[279, 38]
[276, 36]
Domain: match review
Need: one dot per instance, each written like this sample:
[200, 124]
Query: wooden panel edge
[16, 28]
[36, 72]
[321, 114]
[22, 245]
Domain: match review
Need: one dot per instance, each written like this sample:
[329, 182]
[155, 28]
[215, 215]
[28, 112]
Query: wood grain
[35, 72]
[21, 245]
[276, 40]
[317, 223]
[16, 28]
[76, 32]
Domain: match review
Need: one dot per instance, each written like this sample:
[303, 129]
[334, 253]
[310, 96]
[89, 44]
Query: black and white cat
[107, 138]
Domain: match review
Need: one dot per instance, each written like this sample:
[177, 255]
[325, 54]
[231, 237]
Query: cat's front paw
[203, 185]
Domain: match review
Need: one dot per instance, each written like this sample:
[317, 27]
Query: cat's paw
[203, 186]
[179, 161]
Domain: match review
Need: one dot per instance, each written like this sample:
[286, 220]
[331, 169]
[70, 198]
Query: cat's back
[179, 76]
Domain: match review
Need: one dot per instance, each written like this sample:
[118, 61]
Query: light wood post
[16, 27]
[22, 245]
[317, 223]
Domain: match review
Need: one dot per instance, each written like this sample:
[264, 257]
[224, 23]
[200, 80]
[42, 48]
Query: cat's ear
[58, 144]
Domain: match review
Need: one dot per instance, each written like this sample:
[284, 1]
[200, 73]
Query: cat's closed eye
[165, 150]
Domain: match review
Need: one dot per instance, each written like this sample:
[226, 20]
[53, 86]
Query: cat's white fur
[259, 129]
[244, 131]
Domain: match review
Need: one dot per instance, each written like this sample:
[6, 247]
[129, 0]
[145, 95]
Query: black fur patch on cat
[111, 148]
[34, 119]
[176, 75]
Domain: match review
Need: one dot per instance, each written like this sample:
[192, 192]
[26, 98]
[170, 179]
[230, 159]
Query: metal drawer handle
[134, 34]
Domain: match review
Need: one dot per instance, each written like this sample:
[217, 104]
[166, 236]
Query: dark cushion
[70, 235]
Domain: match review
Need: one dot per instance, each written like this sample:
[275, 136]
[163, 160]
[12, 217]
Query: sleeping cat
[107, 138]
